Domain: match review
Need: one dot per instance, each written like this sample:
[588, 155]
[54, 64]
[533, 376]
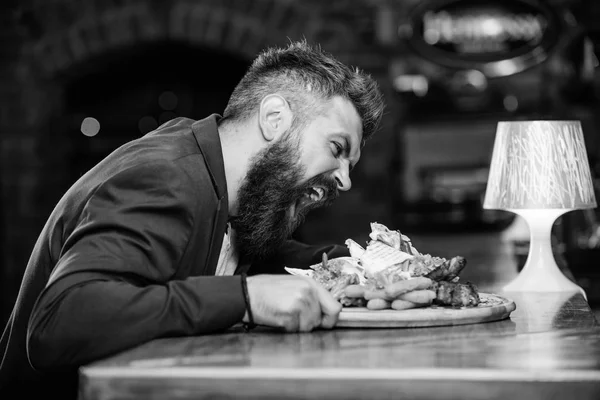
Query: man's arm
[112, 288]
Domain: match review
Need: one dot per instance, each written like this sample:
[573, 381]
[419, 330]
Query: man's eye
[338, 149]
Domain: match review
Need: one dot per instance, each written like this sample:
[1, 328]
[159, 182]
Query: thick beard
[269, 190]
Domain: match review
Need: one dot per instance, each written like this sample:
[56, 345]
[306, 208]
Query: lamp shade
[539, 165]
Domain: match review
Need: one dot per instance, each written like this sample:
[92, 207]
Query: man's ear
[274, 116]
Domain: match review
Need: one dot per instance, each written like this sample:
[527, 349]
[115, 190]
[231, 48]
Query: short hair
[298, 71]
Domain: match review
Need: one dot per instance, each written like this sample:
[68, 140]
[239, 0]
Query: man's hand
[294, 303]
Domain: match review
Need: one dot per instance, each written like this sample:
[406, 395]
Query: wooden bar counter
[548, 348]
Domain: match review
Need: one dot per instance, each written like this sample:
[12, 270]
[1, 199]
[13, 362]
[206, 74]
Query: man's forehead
[346, 117]
[343, 111]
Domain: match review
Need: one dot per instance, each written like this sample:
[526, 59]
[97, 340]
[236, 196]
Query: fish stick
[403, 305]
[378, 304]
[395, 289]
[354, 291]
[377, 294]
[422, 297]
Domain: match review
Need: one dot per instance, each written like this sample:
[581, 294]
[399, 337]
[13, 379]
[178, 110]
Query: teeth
[317, 194]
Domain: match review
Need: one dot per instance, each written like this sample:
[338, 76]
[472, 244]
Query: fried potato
[378, 304]
[354, 291]
[421, 297]
[377, 294]
[393, 290]
[400, 295]
[403, 305]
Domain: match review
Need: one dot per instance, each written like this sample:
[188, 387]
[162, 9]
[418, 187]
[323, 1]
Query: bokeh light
[168, 100]
[166, 116]
[90, 126]
[511, 103]
[147, 124]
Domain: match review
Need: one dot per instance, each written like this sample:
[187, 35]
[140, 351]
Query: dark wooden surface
[548, 348]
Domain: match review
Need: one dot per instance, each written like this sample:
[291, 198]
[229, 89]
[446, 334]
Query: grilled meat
[448, 270]
[455, 294]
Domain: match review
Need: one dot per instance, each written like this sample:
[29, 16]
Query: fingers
[291, 322]
[330, 308]
[310, 314]
[316, 307]
[297, 303]
[292, 303]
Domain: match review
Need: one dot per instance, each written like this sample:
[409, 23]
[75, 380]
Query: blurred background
[79, 78]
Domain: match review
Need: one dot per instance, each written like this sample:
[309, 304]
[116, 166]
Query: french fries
[397, 288]
[378, 304]
[403, 305]
[424, 297]
[355, 291]
[401, 295]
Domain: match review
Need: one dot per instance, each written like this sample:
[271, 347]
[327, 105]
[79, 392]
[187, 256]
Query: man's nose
[342, 177]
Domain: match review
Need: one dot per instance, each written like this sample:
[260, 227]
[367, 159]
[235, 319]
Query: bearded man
[156, 240]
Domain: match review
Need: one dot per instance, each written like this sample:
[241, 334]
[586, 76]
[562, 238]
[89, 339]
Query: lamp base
[540, 273]
[542, 278]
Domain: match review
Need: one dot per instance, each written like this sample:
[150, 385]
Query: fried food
[455, 294]
[378, 304]
[335, 275]
[391, 272]
[448, 270]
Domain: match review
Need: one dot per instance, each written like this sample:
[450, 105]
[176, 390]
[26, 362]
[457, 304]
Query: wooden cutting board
[491, 308]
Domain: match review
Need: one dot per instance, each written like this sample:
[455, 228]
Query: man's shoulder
[171, 143]
[170, 162]
[167, 161]
[173, 125]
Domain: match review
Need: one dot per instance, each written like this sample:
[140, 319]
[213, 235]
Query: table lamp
[540, 170]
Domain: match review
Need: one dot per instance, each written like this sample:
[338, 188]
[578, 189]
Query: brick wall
[16, 143]
[46, 44]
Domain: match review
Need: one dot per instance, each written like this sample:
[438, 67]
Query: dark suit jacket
[128, 255]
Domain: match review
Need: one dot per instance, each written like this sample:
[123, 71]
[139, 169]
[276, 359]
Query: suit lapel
[207, 135]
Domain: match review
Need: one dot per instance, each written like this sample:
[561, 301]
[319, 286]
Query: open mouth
[312, 196]
[315, 194]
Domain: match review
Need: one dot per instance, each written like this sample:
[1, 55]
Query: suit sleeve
[113, 286]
